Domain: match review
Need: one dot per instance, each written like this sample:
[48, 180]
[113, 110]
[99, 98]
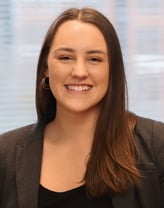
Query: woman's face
[78, 67]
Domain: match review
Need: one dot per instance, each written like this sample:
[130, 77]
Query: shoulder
[146, 125]
[11, 138]
[149, 135]
[149, 130]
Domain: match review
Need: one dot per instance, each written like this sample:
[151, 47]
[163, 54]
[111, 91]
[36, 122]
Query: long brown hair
[111, 167]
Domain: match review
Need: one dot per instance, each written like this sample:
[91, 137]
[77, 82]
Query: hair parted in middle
[111, 167]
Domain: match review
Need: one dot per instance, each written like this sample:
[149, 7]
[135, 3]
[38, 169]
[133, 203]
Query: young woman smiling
[86, 149]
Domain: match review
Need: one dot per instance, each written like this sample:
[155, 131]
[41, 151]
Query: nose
[79, 69]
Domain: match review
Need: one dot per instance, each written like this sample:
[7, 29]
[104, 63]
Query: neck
[72, 127]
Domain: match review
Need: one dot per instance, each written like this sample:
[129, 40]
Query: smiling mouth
[78, 88]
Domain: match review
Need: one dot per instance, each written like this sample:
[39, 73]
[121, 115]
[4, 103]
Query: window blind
[23, 24]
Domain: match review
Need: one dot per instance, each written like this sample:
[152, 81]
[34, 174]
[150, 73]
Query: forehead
[79, 33]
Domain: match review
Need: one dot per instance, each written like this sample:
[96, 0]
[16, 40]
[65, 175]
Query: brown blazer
[20, 165]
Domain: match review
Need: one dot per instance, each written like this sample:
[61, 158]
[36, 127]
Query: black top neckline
[79, 188]
[76, 197]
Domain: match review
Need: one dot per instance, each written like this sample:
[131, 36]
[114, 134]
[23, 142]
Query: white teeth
[78, 88]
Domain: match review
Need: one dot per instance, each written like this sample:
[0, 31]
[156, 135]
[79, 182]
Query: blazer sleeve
[158, 149]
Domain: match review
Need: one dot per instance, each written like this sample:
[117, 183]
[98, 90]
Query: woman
[86, 148]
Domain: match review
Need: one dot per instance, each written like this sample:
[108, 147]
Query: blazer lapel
[28, 165]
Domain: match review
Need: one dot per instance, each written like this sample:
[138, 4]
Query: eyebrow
[96, 51]
[64, 49]
[73, 51]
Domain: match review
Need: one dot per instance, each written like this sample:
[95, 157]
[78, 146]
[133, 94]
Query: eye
[65, 58]
[95, 59]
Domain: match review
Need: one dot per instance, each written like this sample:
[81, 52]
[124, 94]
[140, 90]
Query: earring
[45, 83]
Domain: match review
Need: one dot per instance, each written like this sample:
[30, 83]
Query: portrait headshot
[89, 145]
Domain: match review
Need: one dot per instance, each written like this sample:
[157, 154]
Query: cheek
[54, 79]
[56, 71]
[104, 78]
[105, 85]
[57, 78]
[53, 71]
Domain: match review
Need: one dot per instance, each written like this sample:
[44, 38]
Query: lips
[78, 88]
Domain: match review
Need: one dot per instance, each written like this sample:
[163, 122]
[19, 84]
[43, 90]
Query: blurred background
[23, 24]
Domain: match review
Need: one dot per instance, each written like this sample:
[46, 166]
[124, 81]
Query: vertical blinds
[23, 24]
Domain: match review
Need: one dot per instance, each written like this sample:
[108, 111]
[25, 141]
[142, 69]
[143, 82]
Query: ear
[46, 73]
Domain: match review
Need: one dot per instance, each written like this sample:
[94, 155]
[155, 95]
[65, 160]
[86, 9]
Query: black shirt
[75, 198]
